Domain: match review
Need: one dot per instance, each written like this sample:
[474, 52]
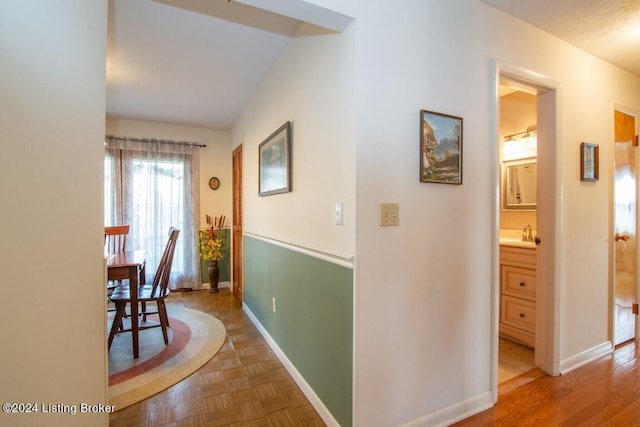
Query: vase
[214, 275]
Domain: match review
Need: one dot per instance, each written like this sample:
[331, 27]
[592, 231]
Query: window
[152, 185]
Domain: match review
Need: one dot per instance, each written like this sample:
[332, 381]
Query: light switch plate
[389, 214]
[338, 214]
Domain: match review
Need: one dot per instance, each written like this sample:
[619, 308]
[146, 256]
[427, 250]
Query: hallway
[243, 385]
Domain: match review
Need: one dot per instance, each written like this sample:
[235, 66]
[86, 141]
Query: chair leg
[117, 321]
[143, 310]
[164, 320]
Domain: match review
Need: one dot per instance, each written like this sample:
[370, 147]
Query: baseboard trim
[454, 413]
[220, 285]
[297, 377]
[581, 359]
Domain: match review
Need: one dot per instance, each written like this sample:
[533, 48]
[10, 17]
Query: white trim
[339, 259]
[297, 377]
[581, 359]
[220, 285]
[454, 413]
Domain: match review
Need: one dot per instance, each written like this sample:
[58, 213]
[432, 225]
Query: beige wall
[310, 85]
[428, 286]
[52, 108]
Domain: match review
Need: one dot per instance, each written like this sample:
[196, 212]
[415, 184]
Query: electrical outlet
[389, 214]
[273, 304]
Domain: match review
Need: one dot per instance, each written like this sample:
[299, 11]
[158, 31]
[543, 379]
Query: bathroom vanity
[518, 291]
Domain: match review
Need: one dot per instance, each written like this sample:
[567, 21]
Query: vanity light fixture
[531, 131]
[521, 144]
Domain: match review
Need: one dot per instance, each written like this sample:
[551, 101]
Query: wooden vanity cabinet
[518, 294]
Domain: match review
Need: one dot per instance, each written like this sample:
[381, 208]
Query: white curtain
[152, 185]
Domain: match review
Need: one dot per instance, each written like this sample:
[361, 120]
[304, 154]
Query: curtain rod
[162, 141]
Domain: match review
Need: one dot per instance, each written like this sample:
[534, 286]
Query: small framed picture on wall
[274, 166]
[588, 162]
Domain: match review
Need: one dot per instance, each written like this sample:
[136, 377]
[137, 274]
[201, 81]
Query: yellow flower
[211, 240]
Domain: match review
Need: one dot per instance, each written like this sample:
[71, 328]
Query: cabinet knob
[523, 284]
[522, 315]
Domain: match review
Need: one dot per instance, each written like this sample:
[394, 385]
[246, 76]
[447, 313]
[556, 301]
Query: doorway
[542, 319]
[518, 228]
[624, 242]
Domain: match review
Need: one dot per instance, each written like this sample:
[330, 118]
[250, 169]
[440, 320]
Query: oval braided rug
[194, 338]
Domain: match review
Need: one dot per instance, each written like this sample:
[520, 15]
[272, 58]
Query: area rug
[194, 338]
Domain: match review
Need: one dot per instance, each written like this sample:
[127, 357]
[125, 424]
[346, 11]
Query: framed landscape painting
[440, 148]
[275, 162]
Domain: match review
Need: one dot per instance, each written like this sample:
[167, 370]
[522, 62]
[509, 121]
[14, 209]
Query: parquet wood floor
[243, 385]
[603, 393]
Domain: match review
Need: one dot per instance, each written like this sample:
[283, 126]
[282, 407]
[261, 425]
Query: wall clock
[214, 183]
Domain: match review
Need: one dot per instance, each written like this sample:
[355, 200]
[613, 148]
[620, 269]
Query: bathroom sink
[518, 243]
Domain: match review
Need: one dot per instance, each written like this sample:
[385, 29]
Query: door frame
[237, 260]
[549, 226]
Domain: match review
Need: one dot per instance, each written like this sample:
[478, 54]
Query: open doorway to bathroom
[524, 306]
[518, 224]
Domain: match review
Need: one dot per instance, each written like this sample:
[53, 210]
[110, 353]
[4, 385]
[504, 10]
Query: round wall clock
[214, 183]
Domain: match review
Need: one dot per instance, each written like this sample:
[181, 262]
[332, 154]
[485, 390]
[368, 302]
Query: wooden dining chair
[115, 238]
[157, 293]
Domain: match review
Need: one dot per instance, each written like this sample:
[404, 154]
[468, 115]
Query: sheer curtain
[152, 185]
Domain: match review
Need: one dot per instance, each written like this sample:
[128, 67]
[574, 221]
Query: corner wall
[52, 109]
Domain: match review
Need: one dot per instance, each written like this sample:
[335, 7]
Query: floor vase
[214, 275]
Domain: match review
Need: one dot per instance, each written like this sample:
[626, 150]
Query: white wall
[311, 85]
[424, 289]
[215, 158]
[52, 108]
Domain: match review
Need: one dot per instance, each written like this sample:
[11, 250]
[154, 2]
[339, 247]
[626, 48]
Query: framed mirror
[519, 184]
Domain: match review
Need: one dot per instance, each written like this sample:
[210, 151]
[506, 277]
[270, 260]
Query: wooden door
[624, 208]
[237, 261]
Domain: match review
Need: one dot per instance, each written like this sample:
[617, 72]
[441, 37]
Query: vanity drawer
[519, 257]
[518, 282]
[518, 313]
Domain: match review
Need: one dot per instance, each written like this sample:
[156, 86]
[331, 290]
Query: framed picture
[588, 162]
[275, 162]
[440, 148]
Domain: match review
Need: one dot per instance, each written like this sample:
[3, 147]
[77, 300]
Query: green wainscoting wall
[313, 322]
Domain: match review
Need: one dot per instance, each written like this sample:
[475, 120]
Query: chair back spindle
[161, 278]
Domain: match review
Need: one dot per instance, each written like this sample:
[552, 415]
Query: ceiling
[609, 29]
[197, 62]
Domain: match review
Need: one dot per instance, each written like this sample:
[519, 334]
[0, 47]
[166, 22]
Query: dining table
[129, 265]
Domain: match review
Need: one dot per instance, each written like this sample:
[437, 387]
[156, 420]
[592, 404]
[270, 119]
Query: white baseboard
[581, 359]
[297, 377]
[454, 413]
[220, 285]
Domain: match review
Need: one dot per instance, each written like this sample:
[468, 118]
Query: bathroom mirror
[519, 184]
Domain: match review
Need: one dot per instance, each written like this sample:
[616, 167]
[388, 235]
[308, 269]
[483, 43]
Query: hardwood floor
[246, 385]
[243, 385]
[605, 392]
